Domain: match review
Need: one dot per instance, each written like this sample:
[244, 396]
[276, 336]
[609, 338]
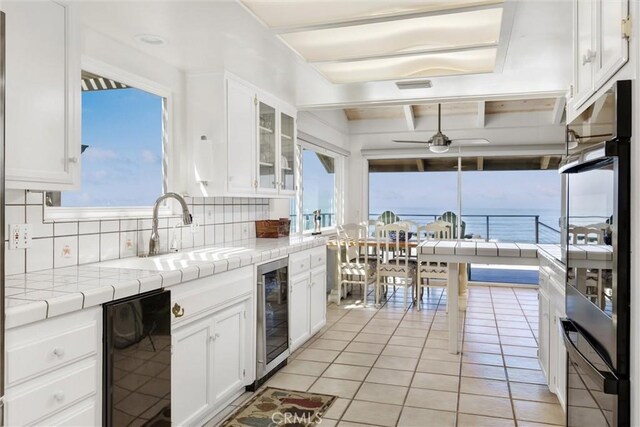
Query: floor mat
[274, 406]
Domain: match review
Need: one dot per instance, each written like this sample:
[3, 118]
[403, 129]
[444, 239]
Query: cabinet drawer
[319, 257]
[80, 414]
[52, 396]
[299, 263]
[201, 295]
[33, 358]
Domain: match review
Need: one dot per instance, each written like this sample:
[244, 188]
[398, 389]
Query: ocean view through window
[122, 147]
[318, 189]
[520, 206]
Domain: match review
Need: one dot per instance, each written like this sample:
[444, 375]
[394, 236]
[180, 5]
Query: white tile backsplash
[65, 251]
[109, 226]
[35, 197]
[40, 255]
[128, 244]
[88, 248]
[14, 215]
[89, 227]
[65, 228]
[14, 260]
[67, 243]
[14, 197]
[109, 246]
[40, 228]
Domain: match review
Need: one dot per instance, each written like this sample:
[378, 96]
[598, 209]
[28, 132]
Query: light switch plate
[20, 236]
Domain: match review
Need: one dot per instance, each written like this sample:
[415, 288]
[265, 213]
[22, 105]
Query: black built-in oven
[596, 251]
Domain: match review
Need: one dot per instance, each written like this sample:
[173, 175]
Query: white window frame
[84, 213]
[338, 186]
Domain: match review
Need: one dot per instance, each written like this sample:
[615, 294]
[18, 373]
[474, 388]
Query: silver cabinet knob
[58, 351]
[58, 395]
[73, 159]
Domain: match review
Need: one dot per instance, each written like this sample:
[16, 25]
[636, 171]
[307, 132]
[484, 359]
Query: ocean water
[503, 225]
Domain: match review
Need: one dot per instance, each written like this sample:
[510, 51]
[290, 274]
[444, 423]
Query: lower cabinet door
[318, 299]
[298, 311]
[229, 334]
[543, 333]
[561, 362]
[191, 376]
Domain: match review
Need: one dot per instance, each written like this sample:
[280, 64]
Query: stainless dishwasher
[272, 333]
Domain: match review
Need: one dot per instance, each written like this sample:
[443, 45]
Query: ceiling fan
[440, 143]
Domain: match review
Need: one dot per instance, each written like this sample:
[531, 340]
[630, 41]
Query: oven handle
[606, 381]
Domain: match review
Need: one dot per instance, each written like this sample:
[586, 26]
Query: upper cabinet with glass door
[267, 148]
[288, 156]
[272, 144]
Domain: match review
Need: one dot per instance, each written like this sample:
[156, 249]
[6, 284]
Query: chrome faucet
[154, 241]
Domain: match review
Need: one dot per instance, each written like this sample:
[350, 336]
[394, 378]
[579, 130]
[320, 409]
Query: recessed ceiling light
[150, 39]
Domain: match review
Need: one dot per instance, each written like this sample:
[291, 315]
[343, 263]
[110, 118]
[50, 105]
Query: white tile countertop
[35, 296]
[513, 250]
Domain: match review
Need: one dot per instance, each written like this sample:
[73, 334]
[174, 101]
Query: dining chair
[356, 266]
[431, 274]
[395, 266]
[585, 235]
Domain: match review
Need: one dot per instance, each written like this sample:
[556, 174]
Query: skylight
[362, 41]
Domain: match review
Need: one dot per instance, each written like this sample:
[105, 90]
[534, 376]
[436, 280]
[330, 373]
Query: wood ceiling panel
[374, 113]
[450, 164]
[450, 108]
[520, 105]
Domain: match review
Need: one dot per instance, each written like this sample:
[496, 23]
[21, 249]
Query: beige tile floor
[392, 368]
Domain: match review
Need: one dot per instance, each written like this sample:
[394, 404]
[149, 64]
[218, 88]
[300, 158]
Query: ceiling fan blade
[470, 141]
[410, 142]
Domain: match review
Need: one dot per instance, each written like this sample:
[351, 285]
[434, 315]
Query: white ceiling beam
[385, 18]
[544, 162]
[468, 48]
[409, 116]
[558, 110]
[481, 114]
[480, 163]
[420, 164]
[432, 100]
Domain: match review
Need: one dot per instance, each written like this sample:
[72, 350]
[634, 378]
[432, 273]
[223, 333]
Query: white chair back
[586, 235]
[392, 240]
[434, 231]
[350, 238]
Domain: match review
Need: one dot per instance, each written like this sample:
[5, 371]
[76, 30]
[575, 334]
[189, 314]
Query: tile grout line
[377, 310]
[506, 372]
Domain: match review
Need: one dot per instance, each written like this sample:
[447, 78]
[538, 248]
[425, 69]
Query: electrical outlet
[20, 236]
[245, 231]
[195, 225]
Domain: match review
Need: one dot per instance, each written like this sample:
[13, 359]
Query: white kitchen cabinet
[191, 376]
[318, 299]
[229, 335]
[612, 39]
[552, 353]
[543, 332]
[307, 295]
[601, 45]
[42, 96]
[261, 135]
[54, 371]
[213, 344]
[241, 129]
[299, 331]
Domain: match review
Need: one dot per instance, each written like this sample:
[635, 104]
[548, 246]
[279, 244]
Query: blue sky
[123, 164]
